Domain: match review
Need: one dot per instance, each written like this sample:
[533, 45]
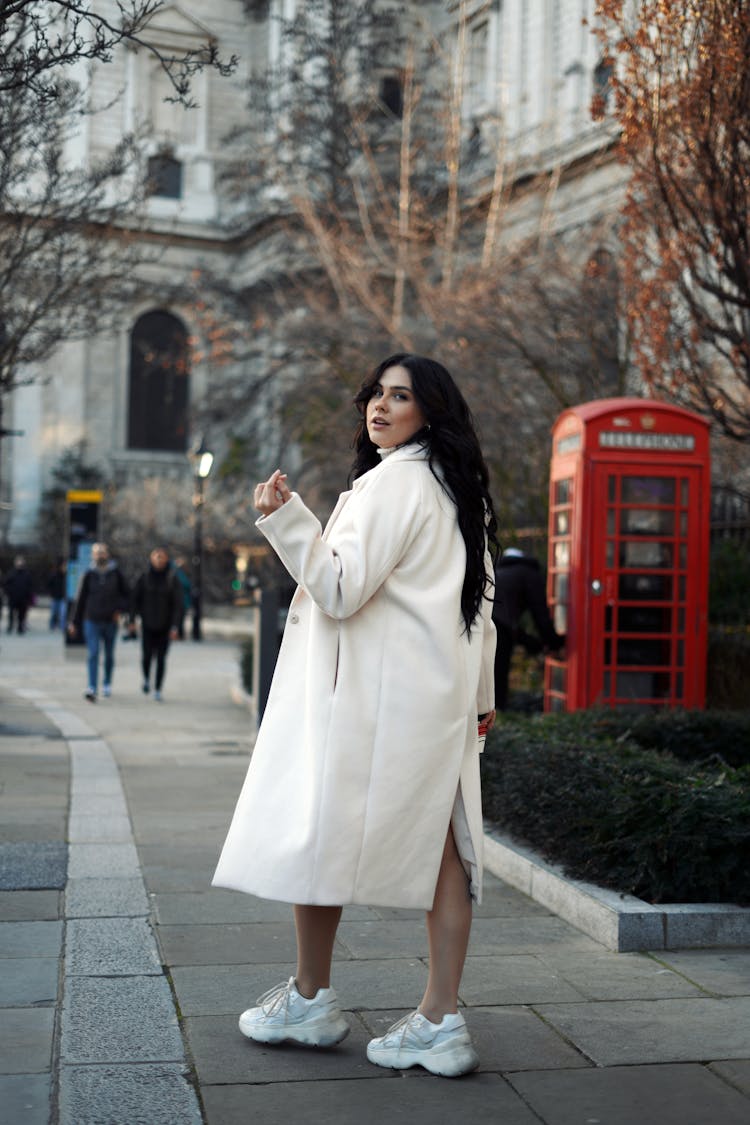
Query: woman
[364, 781]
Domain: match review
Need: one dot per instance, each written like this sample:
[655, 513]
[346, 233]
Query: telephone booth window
[643, 646]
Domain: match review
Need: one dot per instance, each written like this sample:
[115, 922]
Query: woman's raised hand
[271, 494]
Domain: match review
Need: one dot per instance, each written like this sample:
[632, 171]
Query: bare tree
[682, 95]
[69, 226]
[42, 39]
[401, 238]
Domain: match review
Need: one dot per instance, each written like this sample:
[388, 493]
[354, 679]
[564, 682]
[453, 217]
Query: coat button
[294, 618]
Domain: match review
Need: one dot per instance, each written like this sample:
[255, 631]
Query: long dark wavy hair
[454, 457]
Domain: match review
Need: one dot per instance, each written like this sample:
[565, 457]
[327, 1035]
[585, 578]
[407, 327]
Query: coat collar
[411, 452]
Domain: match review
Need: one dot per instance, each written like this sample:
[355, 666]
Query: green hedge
[637, 820]
[718, 737]
[728, 668]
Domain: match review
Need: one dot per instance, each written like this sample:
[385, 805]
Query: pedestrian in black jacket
[158, 601]
[19, 590]
[519, 586]
[102, 596]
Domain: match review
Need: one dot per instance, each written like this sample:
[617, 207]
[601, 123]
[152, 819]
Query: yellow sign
[82, 496]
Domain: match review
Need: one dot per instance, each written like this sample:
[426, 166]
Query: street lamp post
[202, 459]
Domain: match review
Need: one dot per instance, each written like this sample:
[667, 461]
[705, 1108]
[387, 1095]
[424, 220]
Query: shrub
[698, 736]
[636, 820]
[729, 583]
[728, 669]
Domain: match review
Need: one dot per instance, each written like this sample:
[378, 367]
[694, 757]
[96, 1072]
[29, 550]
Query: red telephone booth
[628, 556]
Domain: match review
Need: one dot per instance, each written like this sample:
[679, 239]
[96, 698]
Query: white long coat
[371, 721]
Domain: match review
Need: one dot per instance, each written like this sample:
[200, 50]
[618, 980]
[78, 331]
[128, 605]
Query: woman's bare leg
[448, 929]
[316, 932]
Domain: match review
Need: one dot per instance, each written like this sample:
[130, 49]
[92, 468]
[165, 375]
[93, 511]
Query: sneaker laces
[403, 1026]
[277, 999]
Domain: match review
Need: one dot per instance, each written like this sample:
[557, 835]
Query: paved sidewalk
[122, 972]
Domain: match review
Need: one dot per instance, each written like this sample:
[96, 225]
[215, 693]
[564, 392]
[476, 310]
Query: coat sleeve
[486, 690]
[342, 575]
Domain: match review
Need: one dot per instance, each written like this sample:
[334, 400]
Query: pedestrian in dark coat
[519, 587]
[158, 601]
[102, 596]
[56, 588]
[19, 590]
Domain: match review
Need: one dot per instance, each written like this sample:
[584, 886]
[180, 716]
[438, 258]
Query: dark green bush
[635, 820]
[697, 736]
[729, 583]
[728, 669]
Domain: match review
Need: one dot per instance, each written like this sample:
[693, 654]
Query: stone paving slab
[614, 976]
[22, 829]
[83, 829]
[489, 936]
[105, 898]
[24, 1099]
[506, 1038]
[515, 979]
[31, 866]
[112, 947]
[92, 786]
[30, 939]
[86, 804]
[736, 1072]
[227, 989]
[230, 944]
[161, 878]
[103, 861]
[130, 1019]
[643, 1031]
[635, 1095]
[152, 1093]
[28, 981]
[215, 905]
[29, 906]
[223, 1055]
[482, 1099]
[725, 972]
[26, 1040]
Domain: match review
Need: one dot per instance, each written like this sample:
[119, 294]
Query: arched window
[159, 383]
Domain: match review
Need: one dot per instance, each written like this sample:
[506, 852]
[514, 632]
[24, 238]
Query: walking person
[186, 587]
[158, 601]
[102, 596]
[19, 590]
[364, 781]
[519, 587]
[57, 590]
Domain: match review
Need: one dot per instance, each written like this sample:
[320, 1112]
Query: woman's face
[393, 414]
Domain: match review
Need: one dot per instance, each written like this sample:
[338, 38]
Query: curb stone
[620, 922]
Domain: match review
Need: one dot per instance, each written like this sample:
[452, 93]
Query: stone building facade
[534, 64]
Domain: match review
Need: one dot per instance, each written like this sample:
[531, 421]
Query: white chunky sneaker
[282, 1014]
[442, 1048]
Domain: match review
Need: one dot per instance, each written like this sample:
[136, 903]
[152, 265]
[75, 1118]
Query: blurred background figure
[102, 596]
[56, 590]
[19, 590]
[158, 601]
[519, 587]
[185, 587]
